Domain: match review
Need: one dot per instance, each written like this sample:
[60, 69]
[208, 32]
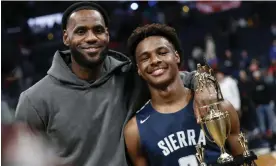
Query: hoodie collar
[62, 72]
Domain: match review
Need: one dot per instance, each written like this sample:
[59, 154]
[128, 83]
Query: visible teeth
[91, 49]
[157, 72]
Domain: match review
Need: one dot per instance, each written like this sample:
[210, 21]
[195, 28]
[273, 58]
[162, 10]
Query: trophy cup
[215, 123]
[200, 155]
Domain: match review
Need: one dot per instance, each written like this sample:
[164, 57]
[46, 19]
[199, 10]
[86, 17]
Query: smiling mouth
[92, 49]
[158, 72]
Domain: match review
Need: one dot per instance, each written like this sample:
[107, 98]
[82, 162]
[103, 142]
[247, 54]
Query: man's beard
[82, 61]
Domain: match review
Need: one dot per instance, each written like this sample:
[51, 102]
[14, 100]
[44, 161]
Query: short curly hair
[154, 29]
[83, 6]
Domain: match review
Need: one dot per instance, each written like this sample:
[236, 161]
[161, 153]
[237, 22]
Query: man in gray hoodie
[88, 94]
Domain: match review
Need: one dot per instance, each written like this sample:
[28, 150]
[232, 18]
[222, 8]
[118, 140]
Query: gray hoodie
[84, 120]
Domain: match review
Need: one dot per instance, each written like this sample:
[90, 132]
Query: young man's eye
[163, 53]
[144, 58]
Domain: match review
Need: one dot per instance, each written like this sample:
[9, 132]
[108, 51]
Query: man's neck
[87, 74]
[174, 94]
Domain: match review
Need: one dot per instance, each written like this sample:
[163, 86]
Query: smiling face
[157, 61]
[87, 37]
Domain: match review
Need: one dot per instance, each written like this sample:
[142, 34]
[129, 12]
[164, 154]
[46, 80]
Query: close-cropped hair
[155, 29]
[83, 6]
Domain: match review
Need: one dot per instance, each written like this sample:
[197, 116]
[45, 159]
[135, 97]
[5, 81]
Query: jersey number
[188, 161]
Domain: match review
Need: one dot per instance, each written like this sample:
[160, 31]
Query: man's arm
[233, 139]
[188, 79]
[27, 113]
[132, 140]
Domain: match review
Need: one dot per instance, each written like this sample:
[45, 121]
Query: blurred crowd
[250, 86]
[243, 57]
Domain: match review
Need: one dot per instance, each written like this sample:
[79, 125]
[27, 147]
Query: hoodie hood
[114, 63]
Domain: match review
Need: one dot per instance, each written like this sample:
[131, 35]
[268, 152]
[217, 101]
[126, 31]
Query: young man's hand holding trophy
[219, 121]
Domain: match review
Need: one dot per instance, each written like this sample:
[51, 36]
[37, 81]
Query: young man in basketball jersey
[164, 131]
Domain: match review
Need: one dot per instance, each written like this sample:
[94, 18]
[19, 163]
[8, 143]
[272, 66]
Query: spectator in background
[254, 65]
[245, 60]
[210, 51]
[197, 55]
[271, 74]
[272, 68]
[262, 98]
[229, 62]
[272, 53]
[273, 29]
[10, 56]
[248, 111]
[229, 88]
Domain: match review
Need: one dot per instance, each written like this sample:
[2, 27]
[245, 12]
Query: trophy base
[225, 158]
[239, 160]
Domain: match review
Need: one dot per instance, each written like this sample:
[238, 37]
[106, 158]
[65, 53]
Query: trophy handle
[228, 125]
[202, 126]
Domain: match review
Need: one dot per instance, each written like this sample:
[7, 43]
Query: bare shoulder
[131, 128]
[133, 146]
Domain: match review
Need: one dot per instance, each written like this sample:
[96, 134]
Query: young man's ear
[65, 38]
[138, 70]
[177, 56]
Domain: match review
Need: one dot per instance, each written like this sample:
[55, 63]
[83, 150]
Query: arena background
[238, 38]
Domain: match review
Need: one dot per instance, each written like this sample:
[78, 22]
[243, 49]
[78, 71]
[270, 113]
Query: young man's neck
[171, 94]
[87, 74]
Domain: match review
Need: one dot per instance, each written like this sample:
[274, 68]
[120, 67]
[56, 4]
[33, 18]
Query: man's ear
[107, 33]
[65, 38]
[177, 56]
[138, 70]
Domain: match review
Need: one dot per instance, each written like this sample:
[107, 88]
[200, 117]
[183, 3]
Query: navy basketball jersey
[170, 139]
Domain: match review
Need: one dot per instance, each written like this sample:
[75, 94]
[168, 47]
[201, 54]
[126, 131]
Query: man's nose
[91, 37]
[155, 60]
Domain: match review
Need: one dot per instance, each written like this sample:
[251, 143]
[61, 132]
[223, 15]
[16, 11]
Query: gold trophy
[215, 122]
[200, 155]
[243, 141]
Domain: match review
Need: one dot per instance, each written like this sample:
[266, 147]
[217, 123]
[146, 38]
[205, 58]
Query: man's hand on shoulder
[187, 78]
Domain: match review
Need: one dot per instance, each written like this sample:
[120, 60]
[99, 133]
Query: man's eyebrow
[162, 47]
[143, 53]
[158, 48]
[80, 26]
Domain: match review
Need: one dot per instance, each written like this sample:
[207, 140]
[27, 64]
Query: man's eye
[144, 58]
[80, 31]
[163, 53]
[99, 30]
